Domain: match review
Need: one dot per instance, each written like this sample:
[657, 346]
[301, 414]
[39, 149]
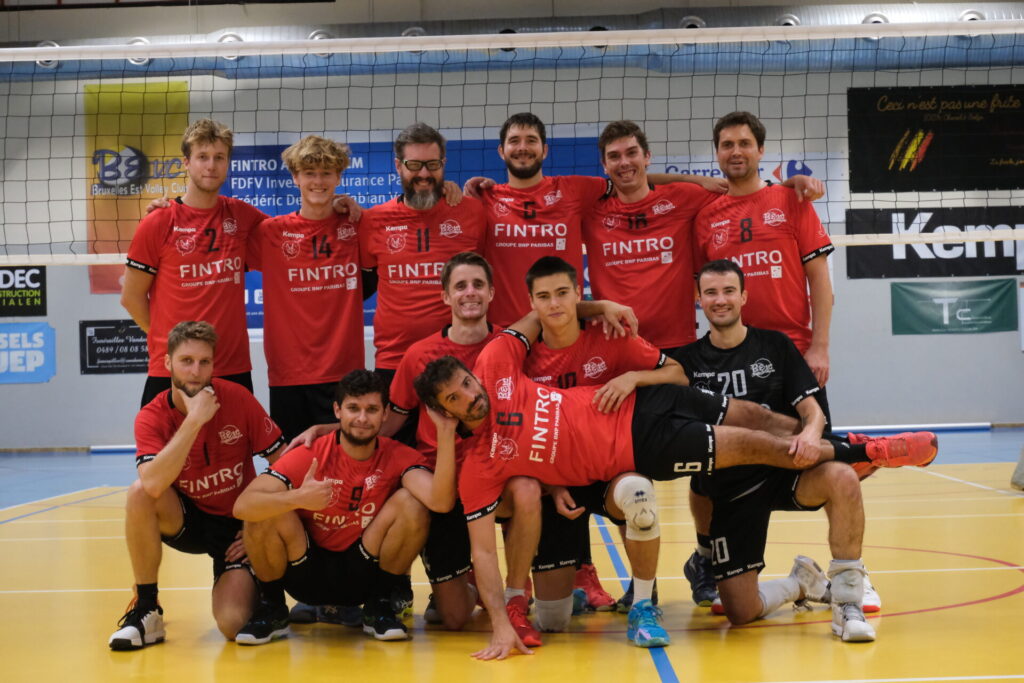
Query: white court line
[823, 519]
[913, 680]
[1005, 492]
[59, 495]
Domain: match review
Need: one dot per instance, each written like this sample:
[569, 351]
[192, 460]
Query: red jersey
[409, 249]
[770, 235]
[590, 360]
[313, 298]
[219, 464]
[555, 436]
[526, 224]
[359, 487]
[641, 255]
[197, 260]
[403, 396]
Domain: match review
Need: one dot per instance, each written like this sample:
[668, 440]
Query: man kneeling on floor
[340, 522]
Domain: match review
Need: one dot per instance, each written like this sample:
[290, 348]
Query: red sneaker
[863, 469]
[516, 608]
[902, 450]
[717, 607]
[597, 597]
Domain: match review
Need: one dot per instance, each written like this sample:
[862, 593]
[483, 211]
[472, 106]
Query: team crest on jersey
[702, 386]
[503, 448]
[594, 368]
[346, 231]
[774, 217]
[373, 480]
[450, 228]
[290, 249]
[185, 244]
[719, 238]
[504, 389]
[396, 243]
[662, 207]
[612, 222]
[500, 209]
[762, 368]
[552, 198]
[230, 434]
[268, 425]
[229, 226]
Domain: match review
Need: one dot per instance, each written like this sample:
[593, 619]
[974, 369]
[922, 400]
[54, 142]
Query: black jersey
[766, 368]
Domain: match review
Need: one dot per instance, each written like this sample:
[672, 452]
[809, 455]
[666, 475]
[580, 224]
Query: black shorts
[742, 508]
[562, 539]
[446, 555]
[205, 533]
[330, 577]
[154, 385]
[296, 408]
[672, 434]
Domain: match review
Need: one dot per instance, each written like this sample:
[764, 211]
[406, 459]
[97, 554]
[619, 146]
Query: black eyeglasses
[415, 164]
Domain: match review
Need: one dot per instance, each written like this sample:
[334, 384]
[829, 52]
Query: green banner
[959, 307]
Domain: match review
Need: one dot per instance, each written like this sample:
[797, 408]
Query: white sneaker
[872, 600]
[139, 627]
[848, 623]
[1017, 479]
[812, 580]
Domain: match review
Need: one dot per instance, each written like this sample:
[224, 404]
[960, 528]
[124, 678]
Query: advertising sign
[28, 353]
[22, 291]
[961, 307]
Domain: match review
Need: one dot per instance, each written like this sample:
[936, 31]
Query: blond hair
[206, 132]
[190, 329]
[314, 151]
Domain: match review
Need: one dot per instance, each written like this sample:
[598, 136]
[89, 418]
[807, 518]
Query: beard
[421, 199]
[479, 408]
[355, 440]
[183, 388]
[526, 172]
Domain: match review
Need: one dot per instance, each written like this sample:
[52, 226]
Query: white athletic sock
[553, 616]
[514, 593]
[776, 593]
[643, 589]
[847, 578]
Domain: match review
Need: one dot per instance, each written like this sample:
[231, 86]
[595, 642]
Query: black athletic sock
[704, 545]
[147, 593]
[848, 452]
[272, 591]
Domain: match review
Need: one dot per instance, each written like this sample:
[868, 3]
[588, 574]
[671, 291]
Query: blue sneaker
[579, 602]
[645, 629]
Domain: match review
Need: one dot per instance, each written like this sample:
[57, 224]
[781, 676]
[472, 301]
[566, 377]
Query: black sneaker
[139, 627]
[381, 622]
[625, 603]
[401, 598]
[268, 621]
[302, 613]
[343, 615]
[698, 572]
[431, 615]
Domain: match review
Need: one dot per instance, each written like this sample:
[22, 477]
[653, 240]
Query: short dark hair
[524, 119]
[465, 258]
[616, 130]
[721, 266]
[418, 133]
[740, 118]
[190, 329]
[360, 383]
[437, 372]
[549, 265]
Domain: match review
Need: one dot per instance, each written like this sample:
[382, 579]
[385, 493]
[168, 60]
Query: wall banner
[962, 307]
[936, 138]
[22, 291]
[107, 347]
[940, 259]
[28, 353]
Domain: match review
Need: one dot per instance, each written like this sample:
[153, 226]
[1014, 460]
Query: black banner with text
[112, 347]
[938, 138]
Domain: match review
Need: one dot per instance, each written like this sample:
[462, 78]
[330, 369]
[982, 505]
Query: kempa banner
[943, 259]
[965, 307]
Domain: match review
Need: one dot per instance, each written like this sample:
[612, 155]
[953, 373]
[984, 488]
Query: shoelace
[852, 612]
[649, 615]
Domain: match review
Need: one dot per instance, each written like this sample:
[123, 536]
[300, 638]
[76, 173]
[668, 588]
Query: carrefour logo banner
[28, 353]
[969, 307]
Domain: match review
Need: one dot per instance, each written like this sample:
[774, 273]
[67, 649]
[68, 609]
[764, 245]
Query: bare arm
[159, 473]
[821, 317]
[135, 296]
[488, 581]
[610, 396]
[437, 490]
[720, 185]
[805, 187]
[805, 447]
[268, 496]
[392, 423]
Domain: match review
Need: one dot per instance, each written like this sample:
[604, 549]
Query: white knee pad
[635, 497]
[552, 616]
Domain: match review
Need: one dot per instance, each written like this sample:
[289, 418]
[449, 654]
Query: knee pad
[635, 497]
[552, 616]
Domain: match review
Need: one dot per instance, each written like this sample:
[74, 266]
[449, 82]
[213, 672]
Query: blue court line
[54, 507]
[658, 654]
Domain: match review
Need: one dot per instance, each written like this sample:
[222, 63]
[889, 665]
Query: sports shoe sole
[125, 644]
[390, 634]
[854, 635]
[247, 639]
